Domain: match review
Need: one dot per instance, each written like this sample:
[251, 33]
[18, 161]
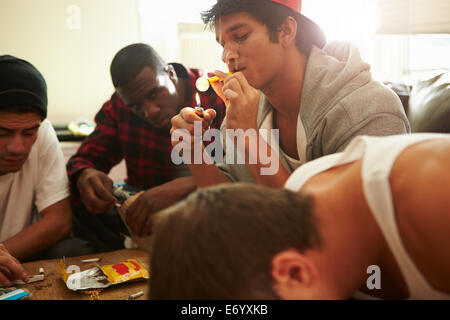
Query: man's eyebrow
[26, 129]
[232, 28]
[33, 127]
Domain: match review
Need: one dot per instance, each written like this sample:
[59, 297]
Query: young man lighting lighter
[286, 77]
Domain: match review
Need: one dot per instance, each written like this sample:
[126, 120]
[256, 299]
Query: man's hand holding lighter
[186, 118]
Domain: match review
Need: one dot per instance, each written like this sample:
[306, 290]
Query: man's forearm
[275, 180]
[268, 169]
[52, 227]
[206, 175]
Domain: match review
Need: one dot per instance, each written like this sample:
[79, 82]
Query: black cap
[21, 85]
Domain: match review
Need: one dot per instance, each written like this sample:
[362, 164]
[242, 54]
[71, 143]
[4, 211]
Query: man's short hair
[130, 60]
[218, 243]
[22, 87]
[272, 15]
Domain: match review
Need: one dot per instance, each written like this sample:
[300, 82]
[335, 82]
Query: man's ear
[288, 31]
[294, 275]
[172, 74]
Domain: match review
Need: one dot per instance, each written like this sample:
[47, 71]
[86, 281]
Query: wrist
[186, 186]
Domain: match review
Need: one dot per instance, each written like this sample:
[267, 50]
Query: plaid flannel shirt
[121, 134]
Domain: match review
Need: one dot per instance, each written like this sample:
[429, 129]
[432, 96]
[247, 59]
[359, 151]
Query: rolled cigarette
[35, 278]
[203, 83]
[90, 260]
[135, 295]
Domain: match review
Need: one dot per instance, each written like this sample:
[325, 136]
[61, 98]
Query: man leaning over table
[134, 125]
[35, 212]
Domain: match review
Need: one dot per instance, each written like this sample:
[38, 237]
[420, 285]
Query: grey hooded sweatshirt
[340, 101]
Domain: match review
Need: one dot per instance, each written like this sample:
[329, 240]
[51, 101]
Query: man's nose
[229, 55]
[151, 109]
[16, 145]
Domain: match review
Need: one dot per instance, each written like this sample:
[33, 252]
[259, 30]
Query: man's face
[18, 133]
[153, 97]
[247, 48]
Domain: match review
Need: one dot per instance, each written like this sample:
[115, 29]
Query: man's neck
[284, 92]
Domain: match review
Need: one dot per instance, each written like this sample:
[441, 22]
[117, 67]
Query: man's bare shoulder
[420, 180]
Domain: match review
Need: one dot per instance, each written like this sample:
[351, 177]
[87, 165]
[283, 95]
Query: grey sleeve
[236, 172]
[372, 110]
[381, 124]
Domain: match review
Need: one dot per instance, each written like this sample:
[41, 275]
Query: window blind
[413, 16]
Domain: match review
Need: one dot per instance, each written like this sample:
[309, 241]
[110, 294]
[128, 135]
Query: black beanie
[21, 85]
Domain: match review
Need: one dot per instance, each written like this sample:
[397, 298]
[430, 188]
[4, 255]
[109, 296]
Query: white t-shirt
[41, 182]
[301, 142]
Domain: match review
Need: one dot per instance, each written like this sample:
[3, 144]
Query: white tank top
[378, 156]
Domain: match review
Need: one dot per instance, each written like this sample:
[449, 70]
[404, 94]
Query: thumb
[208, 117]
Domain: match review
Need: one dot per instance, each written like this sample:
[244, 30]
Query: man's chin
[10, 168]
[8, 171]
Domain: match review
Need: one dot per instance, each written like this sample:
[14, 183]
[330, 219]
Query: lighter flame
[197, 98]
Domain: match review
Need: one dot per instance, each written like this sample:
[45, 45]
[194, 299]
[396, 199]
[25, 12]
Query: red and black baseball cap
[309, 28]
[310, 33]
[295, 5]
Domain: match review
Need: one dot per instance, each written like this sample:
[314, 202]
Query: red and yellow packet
[126, 271]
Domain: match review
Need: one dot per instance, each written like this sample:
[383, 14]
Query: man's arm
[183, 124]
[54, 225]
[139, 214]
[268, 171]
[242, 102]
[88, 167]
[419, 182]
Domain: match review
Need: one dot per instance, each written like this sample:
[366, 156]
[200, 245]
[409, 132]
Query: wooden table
[54, 288]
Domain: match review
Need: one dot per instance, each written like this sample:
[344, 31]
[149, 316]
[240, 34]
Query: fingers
[103, 189]
[93, 200]
[95, 190]
[230, 94]
[209, 115]
[137, 215]
[187, 118]
[221, 74]
[236, 81]
[243, 102]
[10, 268]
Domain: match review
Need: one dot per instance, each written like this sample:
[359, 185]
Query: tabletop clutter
[93, 280]
[90, 281]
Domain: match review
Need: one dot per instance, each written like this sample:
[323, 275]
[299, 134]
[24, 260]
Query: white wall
[175, 29]
[72, 42]
[73, 54]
